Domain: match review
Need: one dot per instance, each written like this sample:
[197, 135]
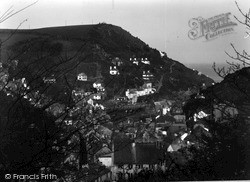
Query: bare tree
[239, 59]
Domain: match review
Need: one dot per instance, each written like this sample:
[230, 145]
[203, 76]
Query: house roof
[104, 130]
[175, 147]
[165, 118]
[138, 153]
[95, 146]
[108, 125]
[82, 74]
[150, 136]
[104, 151]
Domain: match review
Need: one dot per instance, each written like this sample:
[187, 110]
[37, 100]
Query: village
[160, 128]
[139, 142]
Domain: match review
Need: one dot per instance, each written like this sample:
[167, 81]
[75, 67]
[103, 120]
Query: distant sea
[207, 69]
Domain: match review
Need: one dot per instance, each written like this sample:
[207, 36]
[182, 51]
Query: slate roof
[165, 119]
[82, 74]
[104, 151]
[140, 153]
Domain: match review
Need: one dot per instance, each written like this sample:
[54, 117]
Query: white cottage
[113, 70]
[145, 61]
[147, 75]
[82, 77]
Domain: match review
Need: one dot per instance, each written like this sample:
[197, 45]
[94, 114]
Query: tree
[242, 59]
[222, 156]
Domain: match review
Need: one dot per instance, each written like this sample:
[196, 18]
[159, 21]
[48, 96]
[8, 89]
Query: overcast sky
[163, 24]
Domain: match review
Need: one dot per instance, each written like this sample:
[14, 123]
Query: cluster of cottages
[147, 76]
[197, 125]
[144, 149]
[14, 86]
[97, 91]
[18, 86]
[116, 63]
[99, 94]
[4, 75]
[140, 145]
[138, 61]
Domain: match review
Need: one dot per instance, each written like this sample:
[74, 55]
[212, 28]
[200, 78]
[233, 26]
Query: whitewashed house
[145, 61]
[113, 70]
[82, 77]
[79, 92]
[135, 93]
[99, 86]
[104, 155]
[131, 94]
[134, 61]
[97, 96]
[68, 121]
[147, 75]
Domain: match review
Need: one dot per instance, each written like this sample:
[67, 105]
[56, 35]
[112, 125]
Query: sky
[162, 24]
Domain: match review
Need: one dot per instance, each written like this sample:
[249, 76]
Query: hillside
[66, 51]
[234, 88]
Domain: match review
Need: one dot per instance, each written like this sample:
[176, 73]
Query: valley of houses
[146, 136]
[147, 147]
